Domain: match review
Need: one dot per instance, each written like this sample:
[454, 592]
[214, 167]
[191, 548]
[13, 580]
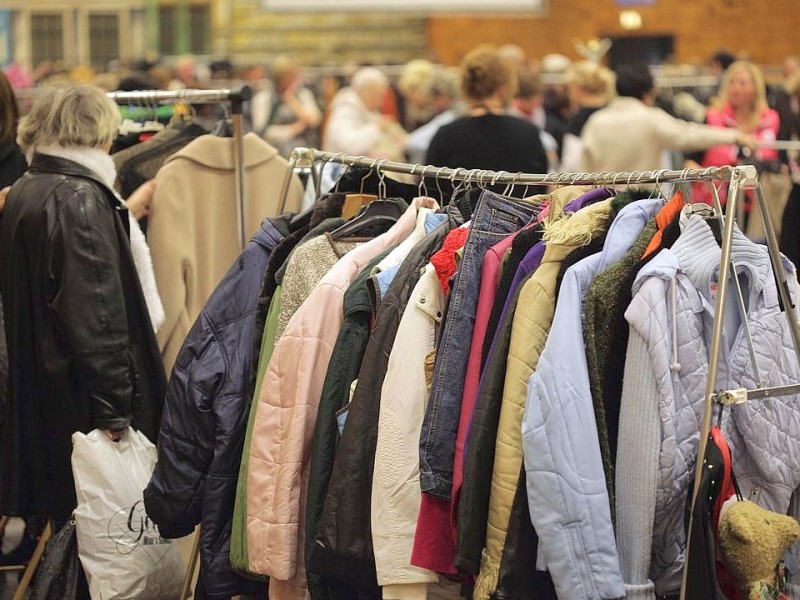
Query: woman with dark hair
[487, 137]
[12, 166]
[12, 161]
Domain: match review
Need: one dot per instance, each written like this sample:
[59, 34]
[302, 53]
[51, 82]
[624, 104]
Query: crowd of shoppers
[492, 112]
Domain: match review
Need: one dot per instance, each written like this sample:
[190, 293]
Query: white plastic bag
[120, 548]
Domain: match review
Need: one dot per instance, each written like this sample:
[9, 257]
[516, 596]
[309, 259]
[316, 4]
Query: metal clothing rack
[739, 179]
[236, 98]
[307, 157]
[714, 397]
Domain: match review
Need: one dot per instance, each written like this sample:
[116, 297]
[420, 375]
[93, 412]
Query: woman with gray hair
[355, 124]
[82, 350]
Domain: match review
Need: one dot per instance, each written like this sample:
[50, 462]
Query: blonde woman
[742, 105]
[589, 88]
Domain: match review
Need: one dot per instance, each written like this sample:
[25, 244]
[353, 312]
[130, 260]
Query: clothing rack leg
[780, 272]
[186, 591]
[734, 192]
[239, 168]
[27, 576]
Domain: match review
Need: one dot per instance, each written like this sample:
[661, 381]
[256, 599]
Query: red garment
[444, 261]
[434, 544]
[434, 541]
[766, 131]
[727, 582]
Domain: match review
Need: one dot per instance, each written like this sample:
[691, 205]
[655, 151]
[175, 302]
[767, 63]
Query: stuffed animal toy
[753, 542]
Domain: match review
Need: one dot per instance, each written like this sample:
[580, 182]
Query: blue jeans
[495, 217]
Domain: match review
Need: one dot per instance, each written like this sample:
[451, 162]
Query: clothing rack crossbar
[188, 96]
[307, 156]
[742, 395]
[780, 145]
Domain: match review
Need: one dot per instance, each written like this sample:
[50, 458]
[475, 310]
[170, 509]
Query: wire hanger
[439, 184]
[422, 188]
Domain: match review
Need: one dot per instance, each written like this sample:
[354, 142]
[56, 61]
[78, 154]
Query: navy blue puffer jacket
[205, 417]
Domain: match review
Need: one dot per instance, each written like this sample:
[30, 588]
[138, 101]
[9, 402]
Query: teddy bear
[753, 541]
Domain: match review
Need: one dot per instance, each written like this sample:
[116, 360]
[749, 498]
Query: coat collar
[567, 234]
[697, 255]
[215, 152]
[48, 163]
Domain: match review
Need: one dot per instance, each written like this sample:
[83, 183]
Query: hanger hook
[485, 178]
[439, 183]
[368, 173]
[422, 187]
[516, 180]
[382, 178]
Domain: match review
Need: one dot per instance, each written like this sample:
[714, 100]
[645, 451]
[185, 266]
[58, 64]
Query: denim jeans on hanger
[495, 217]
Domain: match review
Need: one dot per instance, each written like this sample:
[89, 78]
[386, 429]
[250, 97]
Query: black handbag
[57, 576]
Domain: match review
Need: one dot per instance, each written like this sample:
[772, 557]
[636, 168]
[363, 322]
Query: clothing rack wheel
[186, 590]
[27, 576]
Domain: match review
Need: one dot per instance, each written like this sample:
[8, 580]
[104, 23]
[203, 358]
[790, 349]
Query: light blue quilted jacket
[671, 318]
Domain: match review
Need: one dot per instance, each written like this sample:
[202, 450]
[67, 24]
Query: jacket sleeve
[637, 469]
[532, 322]
[396, 493]
[673, 133]
[173, 497]
[170, 238]
[3, 363]
[282, 435]
[566, 484]
[89, 305]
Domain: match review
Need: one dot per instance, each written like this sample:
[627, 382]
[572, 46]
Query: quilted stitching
[763, 434]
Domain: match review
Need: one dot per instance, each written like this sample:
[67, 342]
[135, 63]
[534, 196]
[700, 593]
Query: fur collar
[98, 162]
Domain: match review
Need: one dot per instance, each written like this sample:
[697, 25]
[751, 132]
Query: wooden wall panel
[767, 29]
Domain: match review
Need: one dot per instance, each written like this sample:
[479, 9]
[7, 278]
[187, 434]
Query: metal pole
[460, 174]
[734, 191]
[780, 273]
[238, 163]
[190, 96]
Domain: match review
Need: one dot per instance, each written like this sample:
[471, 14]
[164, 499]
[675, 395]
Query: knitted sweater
[599, 310]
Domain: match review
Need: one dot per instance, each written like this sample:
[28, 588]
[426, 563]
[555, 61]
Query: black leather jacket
[82, 352]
